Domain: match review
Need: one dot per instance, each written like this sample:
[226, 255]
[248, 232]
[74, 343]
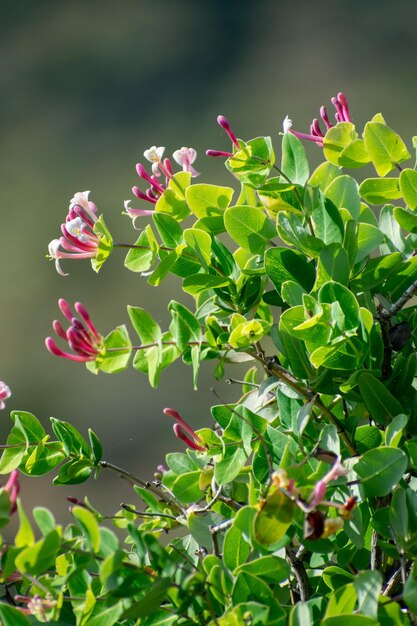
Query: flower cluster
[79, 239]
[5, 393]
[81, 336]
[184, 431]
[317, 525]
[316, 134]
[160, 168]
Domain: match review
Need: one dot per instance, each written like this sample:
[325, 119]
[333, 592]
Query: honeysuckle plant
[297, 502]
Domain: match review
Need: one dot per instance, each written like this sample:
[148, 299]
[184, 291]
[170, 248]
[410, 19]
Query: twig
[393, 583]
[126, 507]
[215, 530]
[276, 370]
[303, 583]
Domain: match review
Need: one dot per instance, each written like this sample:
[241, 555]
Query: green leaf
[148, 604]
[327, 222]
[200, 243]
[44, 519]
[26, 430]
[332, 292]
[186, 487]
[74, 472]
[185, 326]
[208, 200]
[354, 155]
[384, 146]
[367, 437]
[333, 265]
[104, 615]
[10, 616]
[368, 240]
[408, 186]
[199, 283]
[168, 228]
[380, 190]
[163, 269]
[292, 231]
[324, 174]
[406, 219]
[301, 615]
[368, 585]
[343, 191]
[39, 557]
[342, 601]
[96, 447]
[105, 245]
[376, 271]
[270, 568]
[350, 620]
[140, 259]
[410, 590]
[44, 458]
[380, 402]
[249, 228]
[273, 519]
[337, 139]
[89, 526]
[294, 348]
[235, 549]
[380, 470]
[252, 163]
[149, 333]
[395, 429]
[282, 264]
[117, 349]
[173, 200]
[72, 440]
[294, 162]
[226, 470]
[25, 536]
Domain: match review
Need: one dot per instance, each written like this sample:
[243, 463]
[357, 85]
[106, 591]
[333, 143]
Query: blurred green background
[88, 85]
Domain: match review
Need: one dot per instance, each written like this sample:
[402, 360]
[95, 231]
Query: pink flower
[4, 394]
[185, 157]
[81, 336]
[316, 134]
[13, 489]
[224, 123]
[79, 241]
[319, 491]
[184, 431]
[156, 188]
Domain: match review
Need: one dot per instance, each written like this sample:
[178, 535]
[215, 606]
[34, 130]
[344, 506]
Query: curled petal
[53, 349]
[286, 124]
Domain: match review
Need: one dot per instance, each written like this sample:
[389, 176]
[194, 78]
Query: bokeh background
[85, 87]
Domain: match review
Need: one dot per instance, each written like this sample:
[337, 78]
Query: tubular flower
[160, 166]
[316, 134]
[79, 241]
[319, 491]
[5, 393]
[224, 123]
[81, 336]
[13, 489]
[184, 431]
[186, 157]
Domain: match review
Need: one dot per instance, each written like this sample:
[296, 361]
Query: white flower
[76, 227]
[185, 157]
[286, 124]
[55, 255]
[80, 199]
[154, 154]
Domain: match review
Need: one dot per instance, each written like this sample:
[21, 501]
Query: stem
[402, 300]
[276, 370]
[153, 345]
[300, 574]
[298, 195]
[126, 507]
[135, 480]
[215, 530]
